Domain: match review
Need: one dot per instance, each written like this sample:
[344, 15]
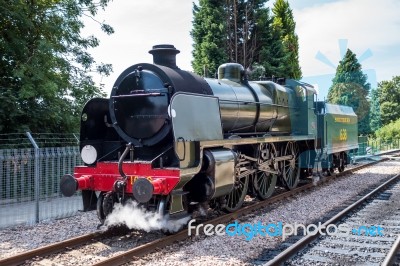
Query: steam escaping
[136, 217]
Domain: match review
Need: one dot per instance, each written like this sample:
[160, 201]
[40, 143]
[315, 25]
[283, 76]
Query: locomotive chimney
[164, 55]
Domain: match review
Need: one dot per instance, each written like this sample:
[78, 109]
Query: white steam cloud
[136, 217]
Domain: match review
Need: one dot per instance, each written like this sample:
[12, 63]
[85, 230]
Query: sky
[326, 28]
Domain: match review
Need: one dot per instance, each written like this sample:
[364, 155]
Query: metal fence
[30, 172]
[372, 146]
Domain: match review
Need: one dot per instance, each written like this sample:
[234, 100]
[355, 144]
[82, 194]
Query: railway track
[149, 247]
[61, 246]
[367, 242]
[50, 249]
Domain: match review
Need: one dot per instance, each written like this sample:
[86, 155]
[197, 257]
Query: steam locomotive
[175, 142]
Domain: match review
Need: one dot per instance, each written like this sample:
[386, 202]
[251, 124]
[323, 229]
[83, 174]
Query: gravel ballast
[22, 238]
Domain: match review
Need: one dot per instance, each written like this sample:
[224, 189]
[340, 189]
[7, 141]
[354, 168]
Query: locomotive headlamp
[88, 154]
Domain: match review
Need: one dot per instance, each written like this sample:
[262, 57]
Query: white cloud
[365, 24]
[138, 26]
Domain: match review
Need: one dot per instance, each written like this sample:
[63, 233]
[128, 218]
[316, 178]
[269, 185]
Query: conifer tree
[285, 25]
[350, 87]
[272, 55]
[237, 31]
[375, 113]
[248, 25]
[209, 37]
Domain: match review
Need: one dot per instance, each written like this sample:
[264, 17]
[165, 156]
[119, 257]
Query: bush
[389, 132]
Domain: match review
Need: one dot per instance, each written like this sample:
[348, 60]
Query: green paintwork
[340, 131]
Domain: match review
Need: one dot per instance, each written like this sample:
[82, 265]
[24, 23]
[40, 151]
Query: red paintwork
[102, 176]
[84, 181]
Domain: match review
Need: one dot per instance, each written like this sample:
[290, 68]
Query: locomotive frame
[175, 142]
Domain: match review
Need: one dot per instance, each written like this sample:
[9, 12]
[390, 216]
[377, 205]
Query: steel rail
[392, 253]
[49, 249]
[302, 243]
[165, 241]
[145, 249]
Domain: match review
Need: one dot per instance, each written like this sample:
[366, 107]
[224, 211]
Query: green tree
[248, 24]
[387, 100]
[45, 67]
[272, 55]
[350, 87]
[389, 132]
[236, 31]
[285, 25]
[209, 37]
[375, 113]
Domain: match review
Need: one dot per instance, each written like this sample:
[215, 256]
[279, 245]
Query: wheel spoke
[235, 198]
[264, 182]
[291, 168]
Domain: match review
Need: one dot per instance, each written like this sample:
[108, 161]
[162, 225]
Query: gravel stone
[23, 238]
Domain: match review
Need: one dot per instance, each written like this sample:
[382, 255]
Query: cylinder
[221, 170]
